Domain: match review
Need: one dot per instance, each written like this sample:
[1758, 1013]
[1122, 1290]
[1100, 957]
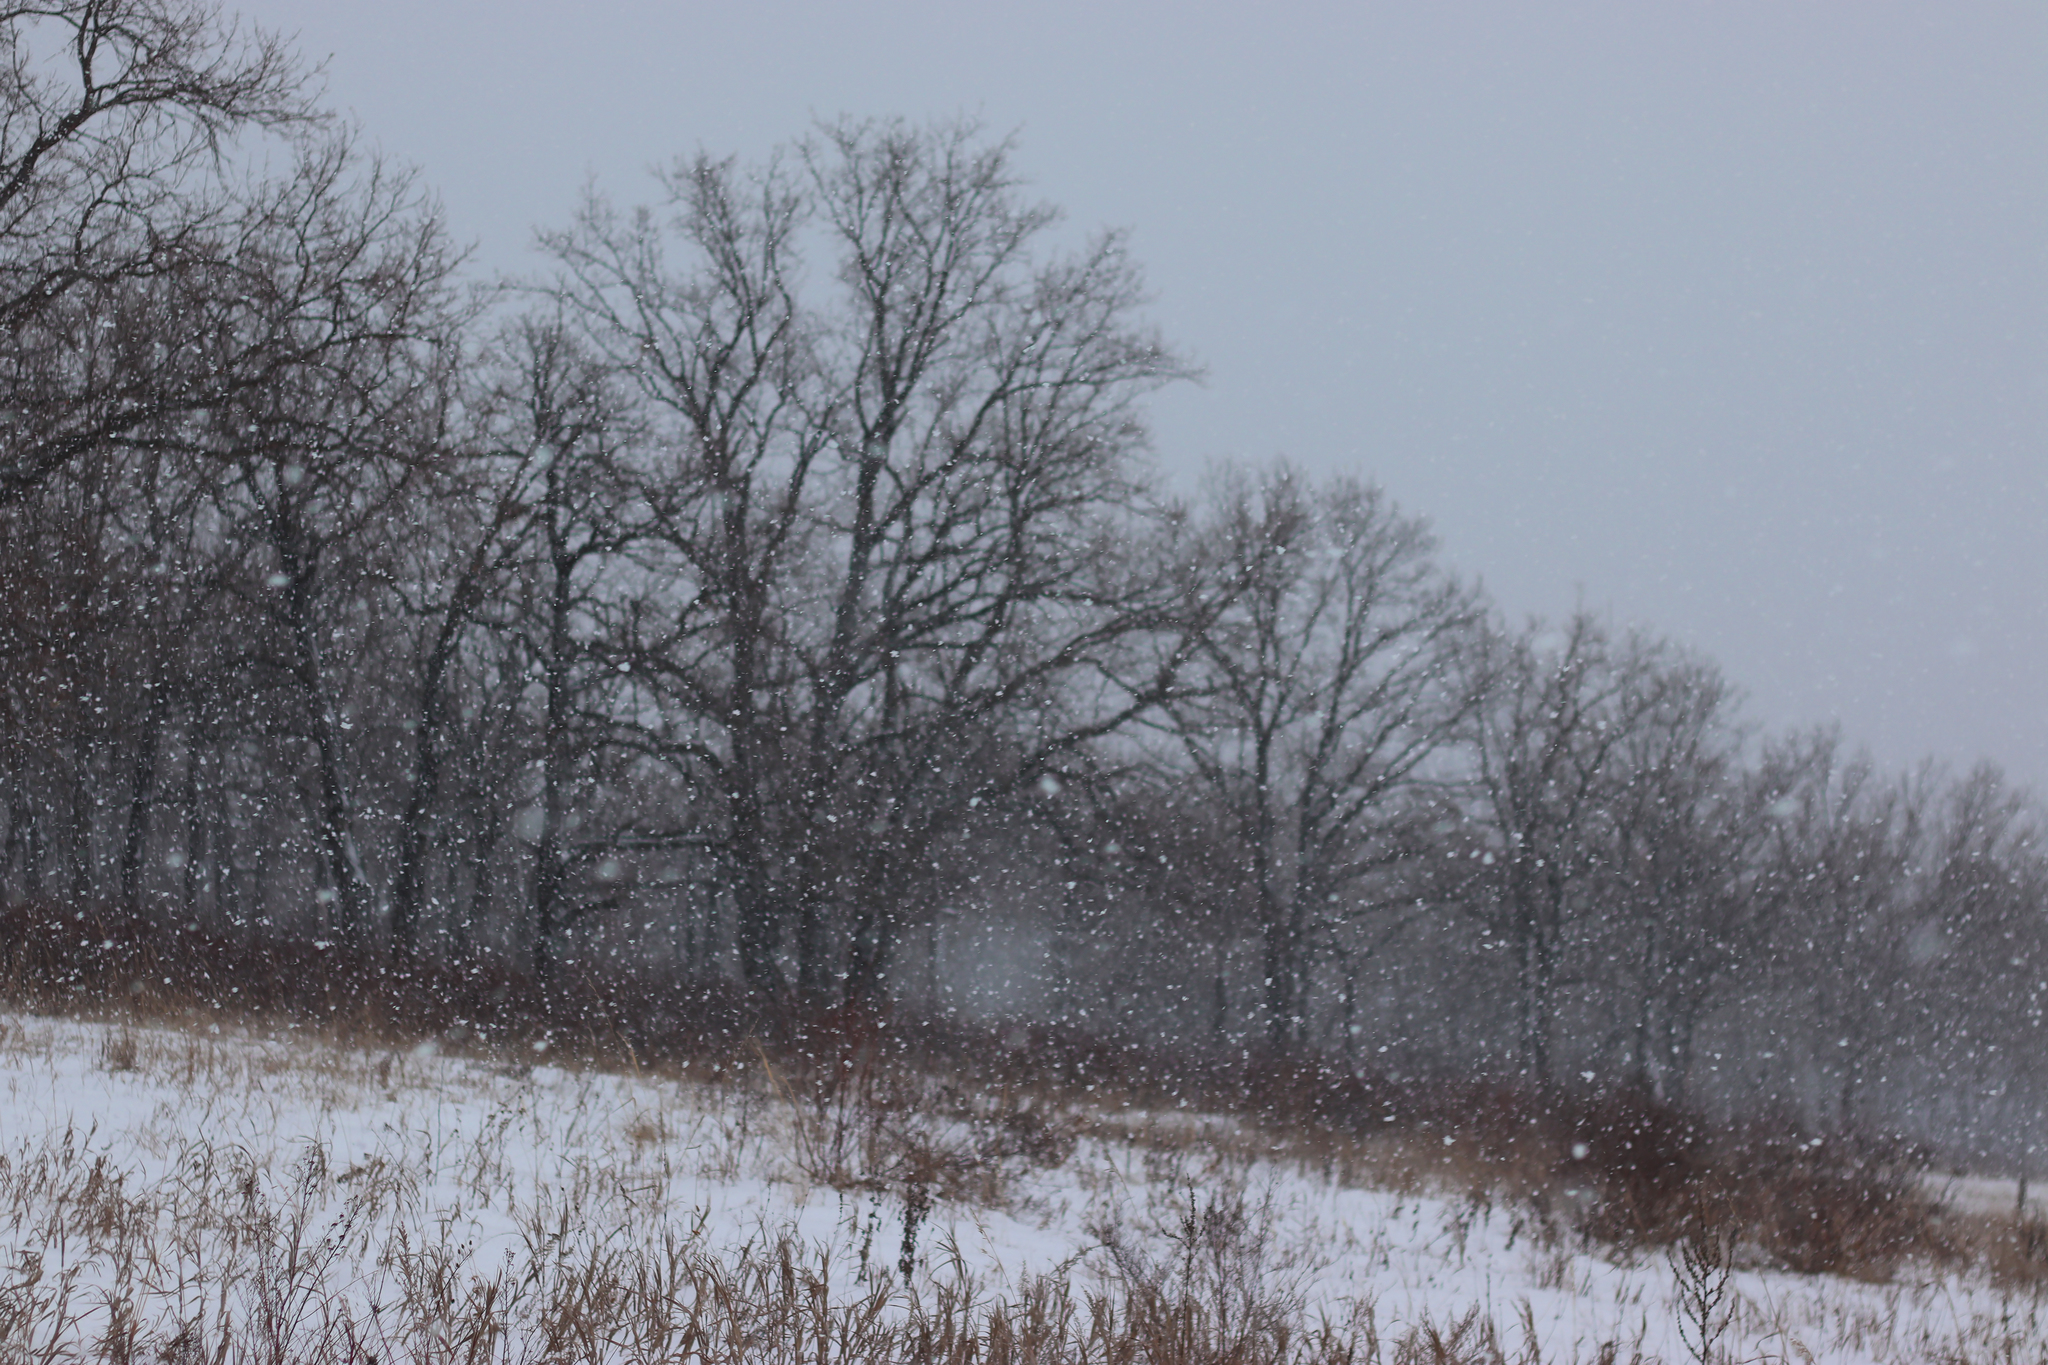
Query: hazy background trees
[775, 595]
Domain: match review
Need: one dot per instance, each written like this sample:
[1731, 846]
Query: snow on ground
[1983, 1194]
[123, 1153]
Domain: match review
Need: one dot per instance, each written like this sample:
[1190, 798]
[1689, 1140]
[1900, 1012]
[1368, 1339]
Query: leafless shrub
[1701, 1265]
[1202, 1273]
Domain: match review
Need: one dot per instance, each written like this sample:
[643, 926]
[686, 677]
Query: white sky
[1729, 318]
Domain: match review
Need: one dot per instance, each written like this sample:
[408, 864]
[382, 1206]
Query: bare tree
[1683, 911]
[1843, 848]
[1969, 1003]
[344, 284]
[1551, 744]
[512, 471]
[896, 509]
[114, 120]
[567, 416]
[1321, 694]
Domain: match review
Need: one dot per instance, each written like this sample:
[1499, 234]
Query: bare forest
[769, 612]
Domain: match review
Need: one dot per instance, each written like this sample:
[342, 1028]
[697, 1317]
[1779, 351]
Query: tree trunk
[407, 884]
[197, 843]
[483, 876]
[878, 927]
[142, 796]
[82, 786]
[336, 832]
[549, 854]
[1538, 970]
[757, 908]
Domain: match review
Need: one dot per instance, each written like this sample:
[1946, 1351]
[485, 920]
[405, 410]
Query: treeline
[774, 593]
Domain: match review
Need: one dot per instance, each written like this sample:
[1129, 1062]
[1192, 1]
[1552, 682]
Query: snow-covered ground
[157, 1183]
[1983, 1194]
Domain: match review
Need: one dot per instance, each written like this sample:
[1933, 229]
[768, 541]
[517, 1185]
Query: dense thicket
[774, 595]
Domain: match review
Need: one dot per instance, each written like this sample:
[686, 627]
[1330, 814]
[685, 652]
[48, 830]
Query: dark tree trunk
[336, 820]
[415, 823]
[550, 855]
[142, 796]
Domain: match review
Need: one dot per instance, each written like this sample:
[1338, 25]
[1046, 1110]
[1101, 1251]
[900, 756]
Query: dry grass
[117, 1051]
[874, 1108]
[230, 1262]
[230, 1251]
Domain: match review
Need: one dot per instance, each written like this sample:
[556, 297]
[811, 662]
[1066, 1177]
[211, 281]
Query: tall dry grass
[301, 1253]
[225, 1261]
[879, 1104]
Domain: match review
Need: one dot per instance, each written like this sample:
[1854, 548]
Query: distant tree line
[775, 593]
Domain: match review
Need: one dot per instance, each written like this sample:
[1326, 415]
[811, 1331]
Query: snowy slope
[187, 1180]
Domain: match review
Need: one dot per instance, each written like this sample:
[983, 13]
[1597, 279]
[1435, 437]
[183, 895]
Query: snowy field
[200, 1197]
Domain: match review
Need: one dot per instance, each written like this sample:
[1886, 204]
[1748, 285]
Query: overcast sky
[1730, 319]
